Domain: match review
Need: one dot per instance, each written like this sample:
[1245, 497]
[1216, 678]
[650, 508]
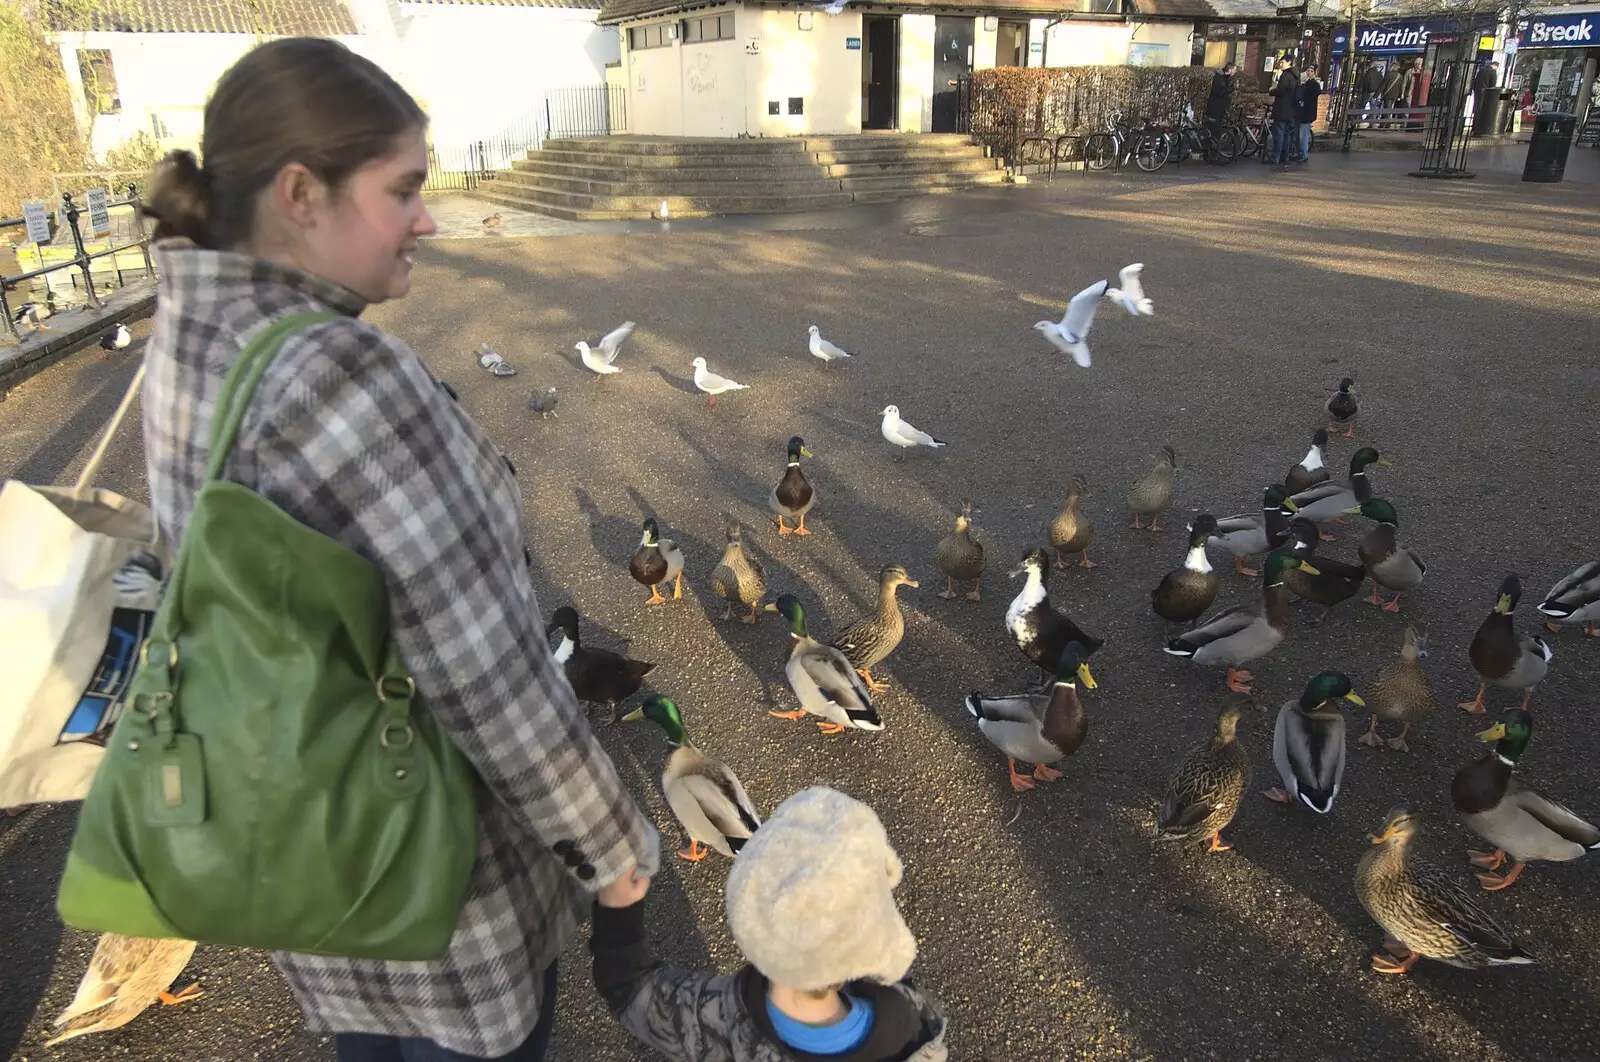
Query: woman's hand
[625, 891]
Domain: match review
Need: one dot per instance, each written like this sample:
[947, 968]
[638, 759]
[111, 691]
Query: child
[811, 904]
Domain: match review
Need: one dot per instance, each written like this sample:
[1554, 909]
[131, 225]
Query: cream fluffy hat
[811, 895]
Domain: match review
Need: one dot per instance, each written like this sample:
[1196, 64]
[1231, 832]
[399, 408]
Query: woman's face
[366, 235]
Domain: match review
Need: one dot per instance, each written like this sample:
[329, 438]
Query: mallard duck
[793, 496]
[1154, 491]
[1423, 912]
[1037, 728]
[492, 221]
[1310, 471]
[1575, 599]
[1388, 562]
[1520, 822]
[1342, 407]
[1248, 534]
[738, 577]
[960, 556]
[866, 643]
[1185, 593]
[1241, 635]
[1501, 657]
[1335, 581]
[31, 313]
[657, 560]
[125, 975]
[1400, 692]
[1071, 531]
[597, 676]
[1204, 794]
[1330, 500]
[822, 679]
[706, 797]
[1039, 630]
[1308, 743]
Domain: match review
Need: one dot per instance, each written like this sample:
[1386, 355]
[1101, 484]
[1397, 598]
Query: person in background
[1488, 76]
[1370, 87]
[810, 902]
[1306, 109]
[1221, 95]
[1283, 113]
[310, 202]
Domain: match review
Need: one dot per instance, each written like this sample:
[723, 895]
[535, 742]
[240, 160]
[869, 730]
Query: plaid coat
[349, 434]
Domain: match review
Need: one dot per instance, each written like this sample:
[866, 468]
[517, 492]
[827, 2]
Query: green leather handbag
[273, 781]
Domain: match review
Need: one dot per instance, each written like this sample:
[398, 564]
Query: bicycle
[1119, 141]
[1195, 139]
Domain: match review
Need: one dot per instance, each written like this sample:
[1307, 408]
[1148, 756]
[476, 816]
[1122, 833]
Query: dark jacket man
[1306, 100]
[1283, 95]
[1221, 93]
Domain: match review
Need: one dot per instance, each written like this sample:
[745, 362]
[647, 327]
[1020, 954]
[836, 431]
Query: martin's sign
[1400, 37]
[1561, 31]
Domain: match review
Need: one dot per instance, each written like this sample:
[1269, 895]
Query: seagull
[493, 362]
[711, 383]
[1071, 336]
[903, 434]
[599, 360]
[544, 402]
[117, 338]
[821, 348]
[1131, 295]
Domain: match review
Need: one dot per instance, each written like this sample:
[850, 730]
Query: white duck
[1071, 336]
[1130, 296]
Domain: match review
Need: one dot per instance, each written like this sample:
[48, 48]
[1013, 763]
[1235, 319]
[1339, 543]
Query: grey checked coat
[349, 434]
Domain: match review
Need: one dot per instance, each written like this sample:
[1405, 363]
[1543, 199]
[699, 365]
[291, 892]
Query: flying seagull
[1071, 336]
[1130, 296]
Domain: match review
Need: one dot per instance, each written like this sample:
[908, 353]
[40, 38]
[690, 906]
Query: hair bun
[180, 198]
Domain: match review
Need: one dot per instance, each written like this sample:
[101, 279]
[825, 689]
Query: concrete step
[679, 206]
[875, 154]
[725, 184]
[624, 145]
[912, 167]
[885, 140]
[653, 167]
[926, 182]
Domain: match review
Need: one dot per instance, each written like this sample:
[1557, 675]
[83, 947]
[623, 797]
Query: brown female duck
[866, 643]
[738, 578]
[1071, 531]
[1154, 491]
[1400, 692]
[960, 556]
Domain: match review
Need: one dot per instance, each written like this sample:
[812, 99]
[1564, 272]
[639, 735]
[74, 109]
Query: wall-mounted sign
[1410, 36]
[99, 216]
[1036, 47]
[37, 218]
[852, 44]
[1560, 31]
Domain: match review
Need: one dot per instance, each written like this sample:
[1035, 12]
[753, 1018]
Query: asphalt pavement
[1049, 924]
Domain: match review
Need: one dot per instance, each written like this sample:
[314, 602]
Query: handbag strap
[87, 477]
[240, 384]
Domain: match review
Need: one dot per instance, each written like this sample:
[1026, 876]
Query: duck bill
[1355, 699]
[1494, 733]
[806, 453]
[634, 716]
[1014, 572]
[913, 584]
[1384, 462]
[1087, 676]
[1305, 567]
[1502, 604]
[769, 607]
[1380, 838]
[1354, 510]
[1288, 503]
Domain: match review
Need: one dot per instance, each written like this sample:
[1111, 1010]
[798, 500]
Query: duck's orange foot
[187, 995]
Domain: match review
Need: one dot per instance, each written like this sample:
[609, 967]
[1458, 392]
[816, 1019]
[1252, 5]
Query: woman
[310, 201]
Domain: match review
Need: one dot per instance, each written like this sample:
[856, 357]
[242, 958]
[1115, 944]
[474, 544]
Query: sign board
[852, 44]
[1486, 43]
[1036, 47]
[1589, 135]
[99, 215]
[1560, 31]
[37, 218]
[1408, 36]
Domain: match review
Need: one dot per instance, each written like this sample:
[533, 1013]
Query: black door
[880, 71]
[952, 60]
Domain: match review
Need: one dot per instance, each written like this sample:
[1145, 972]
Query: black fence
[12, 295]
[587, 110]
[1448, 134]
[1001, 117]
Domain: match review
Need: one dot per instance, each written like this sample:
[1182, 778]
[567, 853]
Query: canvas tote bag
[80, 579]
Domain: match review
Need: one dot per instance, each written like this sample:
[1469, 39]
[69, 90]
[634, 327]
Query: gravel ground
[1049, 924]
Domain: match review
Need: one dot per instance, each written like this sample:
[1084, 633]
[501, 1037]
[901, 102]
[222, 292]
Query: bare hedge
[1072, 100]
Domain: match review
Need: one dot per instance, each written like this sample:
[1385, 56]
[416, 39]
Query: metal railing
[83, 257]
[586, 110]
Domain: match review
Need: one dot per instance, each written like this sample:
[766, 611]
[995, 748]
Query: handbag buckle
[409, 688]
[172, 654]
[404, 729]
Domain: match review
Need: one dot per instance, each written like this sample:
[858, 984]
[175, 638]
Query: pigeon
[492, 221]
[493, 362]
[599, 360]
[1071, 336]
[903, 434]
[117, 338]
[544, 402]
[821, 348]
[711, 383]
[1131, 295]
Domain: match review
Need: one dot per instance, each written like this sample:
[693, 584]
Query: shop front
[1556, 57]
[1397, 62]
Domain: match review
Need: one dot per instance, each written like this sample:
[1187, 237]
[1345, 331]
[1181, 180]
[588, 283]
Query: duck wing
[1576, 596]
[839, 686]
[721, 797]
[1311, 747]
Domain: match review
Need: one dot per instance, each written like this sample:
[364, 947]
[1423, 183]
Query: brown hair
[300, 99]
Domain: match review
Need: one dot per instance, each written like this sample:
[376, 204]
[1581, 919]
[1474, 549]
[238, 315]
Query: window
[642, 37]
[159, 128]
[709, 28]
[99, 81]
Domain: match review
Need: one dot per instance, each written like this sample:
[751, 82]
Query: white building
[748, 68]
[477, 66]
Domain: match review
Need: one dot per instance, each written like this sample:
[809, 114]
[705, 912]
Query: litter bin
[1489, 110]
[1547, 151]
